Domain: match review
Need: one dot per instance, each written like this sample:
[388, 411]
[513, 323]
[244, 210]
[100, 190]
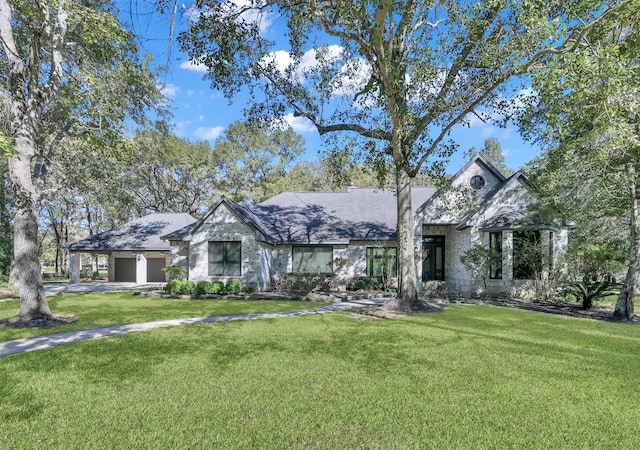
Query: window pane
[527, 254]
[225, 258]
[313, 259]
[216, 268]
[382, 262]
[495, 244]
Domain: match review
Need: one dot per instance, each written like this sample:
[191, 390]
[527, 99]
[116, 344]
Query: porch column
[418, 258]
[507, 255]
[75, 264]
[141, 268]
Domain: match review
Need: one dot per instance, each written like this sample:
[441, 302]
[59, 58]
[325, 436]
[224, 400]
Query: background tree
[397, 75]
[587, 119]
[253, 157]
[72, 69]
[494, 153]
[165, 173]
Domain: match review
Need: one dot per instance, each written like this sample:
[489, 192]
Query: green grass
[119, 308]
[469, 377]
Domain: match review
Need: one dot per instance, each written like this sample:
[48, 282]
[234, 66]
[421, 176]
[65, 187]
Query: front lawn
[469, 377]
[121, 308]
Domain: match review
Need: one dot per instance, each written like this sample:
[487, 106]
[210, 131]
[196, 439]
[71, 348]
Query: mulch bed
[597, 312]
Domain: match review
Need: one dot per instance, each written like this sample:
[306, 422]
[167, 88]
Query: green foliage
[203, 287]
[217, 287]
[362, 284]
[595, 261]
[587, 291]
[233, 287]
[307, 282]
[180, 287]
[479, 259]
[254, 159]
[175, 272]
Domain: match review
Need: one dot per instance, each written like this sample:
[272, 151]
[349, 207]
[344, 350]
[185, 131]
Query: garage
[137, 253]
[125, 270]
[154, 270]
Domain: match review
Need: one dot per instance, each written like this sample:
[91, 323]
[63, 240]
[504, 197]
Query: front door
[432, 258]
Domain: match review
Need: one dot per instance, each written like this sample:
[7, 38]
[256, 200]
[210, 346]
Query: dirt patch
[39, 322]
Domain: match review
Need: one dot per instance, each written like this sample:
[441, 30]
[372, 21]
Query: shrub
[360, 284]
[233, 287]
[216, 287]
[187, 287]
[588, 291]
[307, 282]
[203, 287]
[173, 287]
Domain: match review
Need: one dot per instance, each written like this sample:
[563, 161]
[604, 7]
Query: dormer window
[477, 182]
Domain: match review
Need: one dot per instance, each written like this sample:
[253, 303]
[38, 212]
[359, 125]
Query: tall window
[527, 254]
[433, 263]
[495, 245]
[312, 259]
[225, 258]
[382, 262]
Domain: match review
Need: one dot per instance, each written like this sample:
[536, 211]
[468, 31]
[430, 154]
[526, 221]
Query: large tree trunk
[626, 299]
[33, 301]
[407, 298]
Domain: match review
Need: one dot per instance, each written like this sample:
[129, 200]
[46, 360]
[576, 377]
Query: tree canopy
[71, 69]
[397, 75]
[586, 116]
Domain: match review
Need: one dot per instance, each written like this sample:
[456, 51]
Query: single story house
[353, 234]
[135, 251]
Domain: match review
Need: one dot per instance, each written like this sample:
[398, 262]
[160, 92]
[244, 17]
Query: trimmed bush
[361, 284]
[173, 287]
[187, 287]
[203, 287]
[217, 287]
[233, 287]
[180, 287]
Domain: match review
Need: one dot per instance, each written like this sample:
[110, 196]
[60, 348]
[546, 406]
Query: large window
[382, 262]
[495, 245]
[527, 254]
[225, 258]
[312, 259]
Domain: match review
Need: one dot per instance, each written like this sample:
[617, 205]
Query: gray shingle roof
[140, 235]
[316, 217]
[321, 217]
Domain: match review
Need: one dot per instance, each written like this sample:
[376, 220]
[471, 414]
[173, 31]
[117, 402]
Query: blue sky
[200, 113]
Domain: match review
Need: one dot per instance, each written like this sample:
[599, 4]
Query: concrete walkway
[53, 340]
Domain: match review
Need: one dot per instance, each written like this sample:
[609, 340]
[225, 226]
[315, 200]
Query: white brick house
[312, 232]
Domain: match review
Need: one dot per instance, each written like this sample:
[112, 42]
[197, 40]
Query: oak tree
[398, 75]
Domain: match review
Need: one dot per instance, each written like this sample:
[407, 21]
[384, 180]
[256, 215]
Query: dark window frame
[230, 267]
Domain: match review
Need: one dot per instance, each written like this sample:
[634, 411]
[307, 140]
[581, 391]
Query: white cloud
[169, 90]
[208, 133]
[194, 66]
[300, 125]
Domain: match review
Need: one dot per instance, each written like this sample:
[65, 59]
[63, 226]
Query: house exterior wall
[448, 208]
[224, 225]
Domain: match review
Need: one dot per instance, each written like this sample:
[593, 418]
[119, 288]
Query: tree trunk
[33, 301]
[407, 298]
[626, 299]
